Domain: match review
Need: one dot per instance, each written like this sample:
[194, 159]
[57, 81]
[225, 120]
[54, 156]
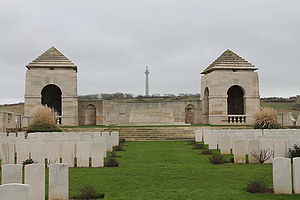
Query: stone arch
[189, 114]
[235, 100]
[90, 115]
[51, 97]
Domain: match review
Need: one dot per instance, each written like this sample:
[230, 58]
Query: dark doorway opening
[235, 100]
[51, 97]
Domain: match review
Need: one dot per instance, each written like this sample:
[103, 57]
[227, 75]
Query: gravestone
[82, 154]
[53, 152]
[282, 180]
[22, 150]
[14, 191]
[224, 144]
[35, 177]
[296, 175]
[68, 153]
[97, 154]
[38, 153]
[239, 151]
[253, 148]
[11, 173]
[58, 181]
[280, 146]
[267, 144]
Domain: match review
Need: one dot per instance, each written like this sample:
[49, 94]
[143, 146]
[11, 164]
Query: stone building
[229, 91]
[229, 95]
[51, 79]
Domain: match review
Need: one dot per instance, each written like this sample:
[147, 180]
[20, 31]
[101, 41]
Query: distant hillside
[17, 108]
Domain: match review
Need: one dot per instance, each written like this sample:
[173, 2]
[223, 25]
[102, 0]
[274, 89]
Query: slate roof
[229, 60]
[52, 58]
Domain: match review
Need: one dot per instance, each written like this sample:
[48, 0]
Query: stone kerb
[58, 181]
[11, 173]
[35, 177]
[296, 175]
[239, 151]
[282, 180]
[15, 191]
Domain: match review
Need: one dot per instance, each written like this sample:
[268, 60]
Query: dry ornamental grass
[44, 115]
[266, 118]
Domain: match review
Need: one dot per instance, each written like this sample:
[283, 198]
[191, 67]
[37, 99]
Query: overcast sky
[111, 42]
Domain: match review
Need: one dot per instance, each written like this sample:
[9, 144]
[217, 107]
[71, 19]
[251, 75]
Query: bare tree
[262, 155]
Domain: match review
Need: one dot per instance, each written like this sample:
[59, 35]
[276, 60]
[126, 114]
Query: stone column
[239, 151]
[11, 173]
[282, 176]
[58, 181]
[35, 177]
[296, 175]
[14, 191]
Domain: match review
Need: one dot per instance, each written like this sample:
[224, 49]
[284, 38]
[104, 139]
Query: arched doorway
[206, 106]
[90, 115]
[51, 97]
[235, 100]
[189, 114]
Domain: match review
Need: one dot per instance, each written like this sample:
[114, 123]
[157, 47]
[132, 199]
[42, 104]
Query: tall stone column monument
[147, 82]
[51, 79]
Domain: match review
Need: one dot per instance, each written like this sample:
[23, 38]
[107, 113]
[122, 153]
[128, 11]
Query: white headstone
[7, 152]
[253, 148]
[198, 135]
[239, 151]
[35, 177]
[14, 191]
[53, 152]
[115, 137]
[267, 144]
[212, 140]
[68, 153]
[38, 153]
[11, 173]
[22, 150]
[296, 175]
[282, 180]
[224, 144]
[280, 146]
[98, 154]
[82, 154]
[58, 181]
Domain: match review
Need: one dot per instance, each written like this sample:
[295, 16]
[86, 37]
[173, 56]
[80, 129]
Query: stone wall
[124, 112]
[9, 120]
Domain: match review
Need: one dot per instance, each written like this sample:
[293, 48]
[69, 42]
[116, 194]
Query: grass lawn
[170, 170]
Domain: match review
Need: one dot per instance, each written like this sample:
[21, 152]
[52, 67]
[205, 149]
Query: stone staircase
[144, 133]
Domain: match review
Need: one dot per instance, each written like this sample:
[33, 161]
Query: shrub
[27, 162]
[294, 152]
[217, 159]
[266, 118]
[89, 192]
[44, 119]
[111, 162]
[118, 148]
[199, 146]
[231, 160]
[113, 155]
[262, 155]
[206, 152]
[257, 186]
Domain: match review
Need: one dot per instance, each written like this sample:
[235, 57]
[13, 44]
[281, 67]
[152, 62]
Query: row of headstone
[246, 142]
[34, 182]
[60, 147]
[286, 180]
